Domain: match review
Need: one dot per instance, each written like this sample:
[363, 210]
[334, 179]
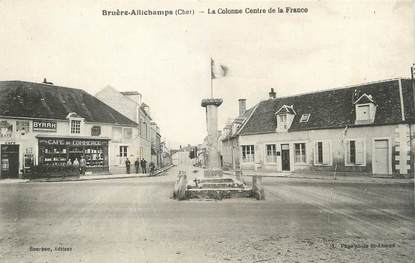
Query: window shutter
[315, 152]
[326, 153]
[360, 152]
[347, 152]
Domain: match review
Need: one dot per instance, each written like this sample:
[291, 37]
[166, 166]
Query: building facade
[46, 124]
[230, 137]
[130, 104]
[363, 129]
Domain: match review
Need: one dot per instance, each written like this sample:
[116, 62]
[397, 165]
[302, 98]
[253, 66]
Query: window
[355, 152]
[283, 121]
[322, 153]
[363, 112]
[300, 156]
[248, 153]
[304, 117]
[271, 156]
[75, 126]
[123, 151]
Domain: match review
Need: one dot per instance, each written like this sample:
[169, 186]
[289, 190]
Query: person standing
[137, 165]
[143, 165]
[82, 164]
[127, 165]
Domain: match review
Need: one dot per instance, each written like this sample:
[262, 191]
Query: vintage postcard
[207, 131]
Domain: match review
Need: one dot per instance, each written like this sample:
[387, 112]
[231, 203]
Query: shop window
[75, 126]
[355, 152]
[322, 153]
[248, 153]
[300, 153]
[271, 156]
[66, 152]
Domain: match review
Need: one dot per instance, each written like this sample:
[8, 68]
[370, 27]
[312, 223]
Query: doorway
[381, 162]
[285, 157]
[9, 161]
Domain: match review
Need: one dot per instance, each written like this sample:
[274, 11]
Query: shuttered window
[322, 153]
[271, 156]
[355, 152]
[300, 156]
[248, 153]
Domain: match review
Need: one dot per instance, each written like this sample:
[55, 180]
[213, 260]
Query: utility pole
[410, 130]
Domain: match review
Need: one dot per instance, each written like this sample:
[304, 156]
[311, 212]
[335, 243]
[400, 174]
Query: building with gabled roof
[130, 103]
[42, 123]
[366, 128]
[230, 137]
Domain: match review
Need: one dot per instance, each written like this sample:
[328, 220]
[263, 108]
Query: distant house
[363, 129]
[230, 137]
[130, 104]
[41, 123]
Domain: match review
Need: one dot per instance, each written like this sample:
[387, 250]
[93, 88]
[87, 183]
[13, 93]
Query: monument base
[213, 173]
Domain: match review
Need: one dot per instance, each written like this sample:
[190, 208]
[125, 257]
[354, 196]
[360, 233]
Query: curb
[103, 178]
[367, 180]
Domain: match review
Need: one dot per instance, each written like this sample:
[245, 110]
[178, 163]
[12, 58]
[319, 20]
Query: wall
[119, 102]
[337, 138]
[230, 150]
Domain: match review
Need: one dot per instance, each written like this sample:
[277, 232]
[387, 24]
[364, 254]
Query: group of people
[81, 164]
[139, 164]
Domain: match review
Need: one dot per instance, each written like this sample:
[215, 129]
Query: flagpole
[211, 83]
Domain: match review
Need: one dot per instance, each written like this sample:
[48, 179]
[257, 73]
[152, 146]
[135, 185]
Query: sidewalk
[87, 177]
[350, 178]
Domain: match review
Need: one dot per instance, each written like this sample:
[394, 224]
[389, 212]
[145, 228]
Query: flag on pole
[217, 70]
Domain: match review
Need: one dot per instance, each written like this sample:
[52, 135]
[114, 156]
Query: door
[381, 157]
[285, 157]
[10, 161]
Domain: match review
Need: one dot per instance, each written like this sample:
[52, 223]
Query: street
[135, 220]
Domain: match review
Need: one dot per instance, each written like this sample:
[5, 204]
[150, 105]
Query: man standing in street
[127, 165]
[82, 164]
[137, 165]
[143, 165]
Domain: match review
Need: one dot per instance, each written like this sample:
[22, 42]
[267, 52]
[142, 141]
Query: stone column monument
[213, 160]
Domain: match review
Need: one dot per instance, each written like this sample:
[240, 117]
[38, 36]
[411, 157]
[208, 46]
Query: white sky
[167, 58]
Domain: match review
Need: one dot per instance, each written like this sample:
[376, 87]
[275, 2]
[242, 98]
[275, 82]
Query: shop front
[65, 150]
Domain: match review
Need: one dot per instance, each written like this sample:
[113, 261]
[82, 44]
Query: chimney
[272, 94]
[47, 82]
[242, 106]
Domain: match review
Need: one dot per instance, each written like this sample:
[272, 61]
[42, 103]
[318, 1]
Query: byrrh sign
[44, 125]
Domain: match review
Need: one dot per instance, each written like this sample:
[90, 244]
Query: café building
[41, 123]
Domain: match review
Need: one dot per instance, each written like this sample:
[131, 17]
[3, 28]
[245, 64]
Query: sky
[167, 59]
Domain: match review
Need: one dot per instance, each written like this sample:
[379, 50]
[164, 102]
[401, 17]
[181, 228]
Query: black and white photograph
[207, 131]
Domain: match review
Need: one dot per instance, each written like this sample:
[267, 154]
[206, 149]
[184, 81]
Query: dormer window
[75, 126]
[283, 121]
[363, 112]
[305, 117]
[75, 123]
[285, 116]
[365, 108]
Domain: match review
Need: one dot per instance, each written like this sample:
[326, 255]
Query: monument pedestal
[213, 184]
[213, 173]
